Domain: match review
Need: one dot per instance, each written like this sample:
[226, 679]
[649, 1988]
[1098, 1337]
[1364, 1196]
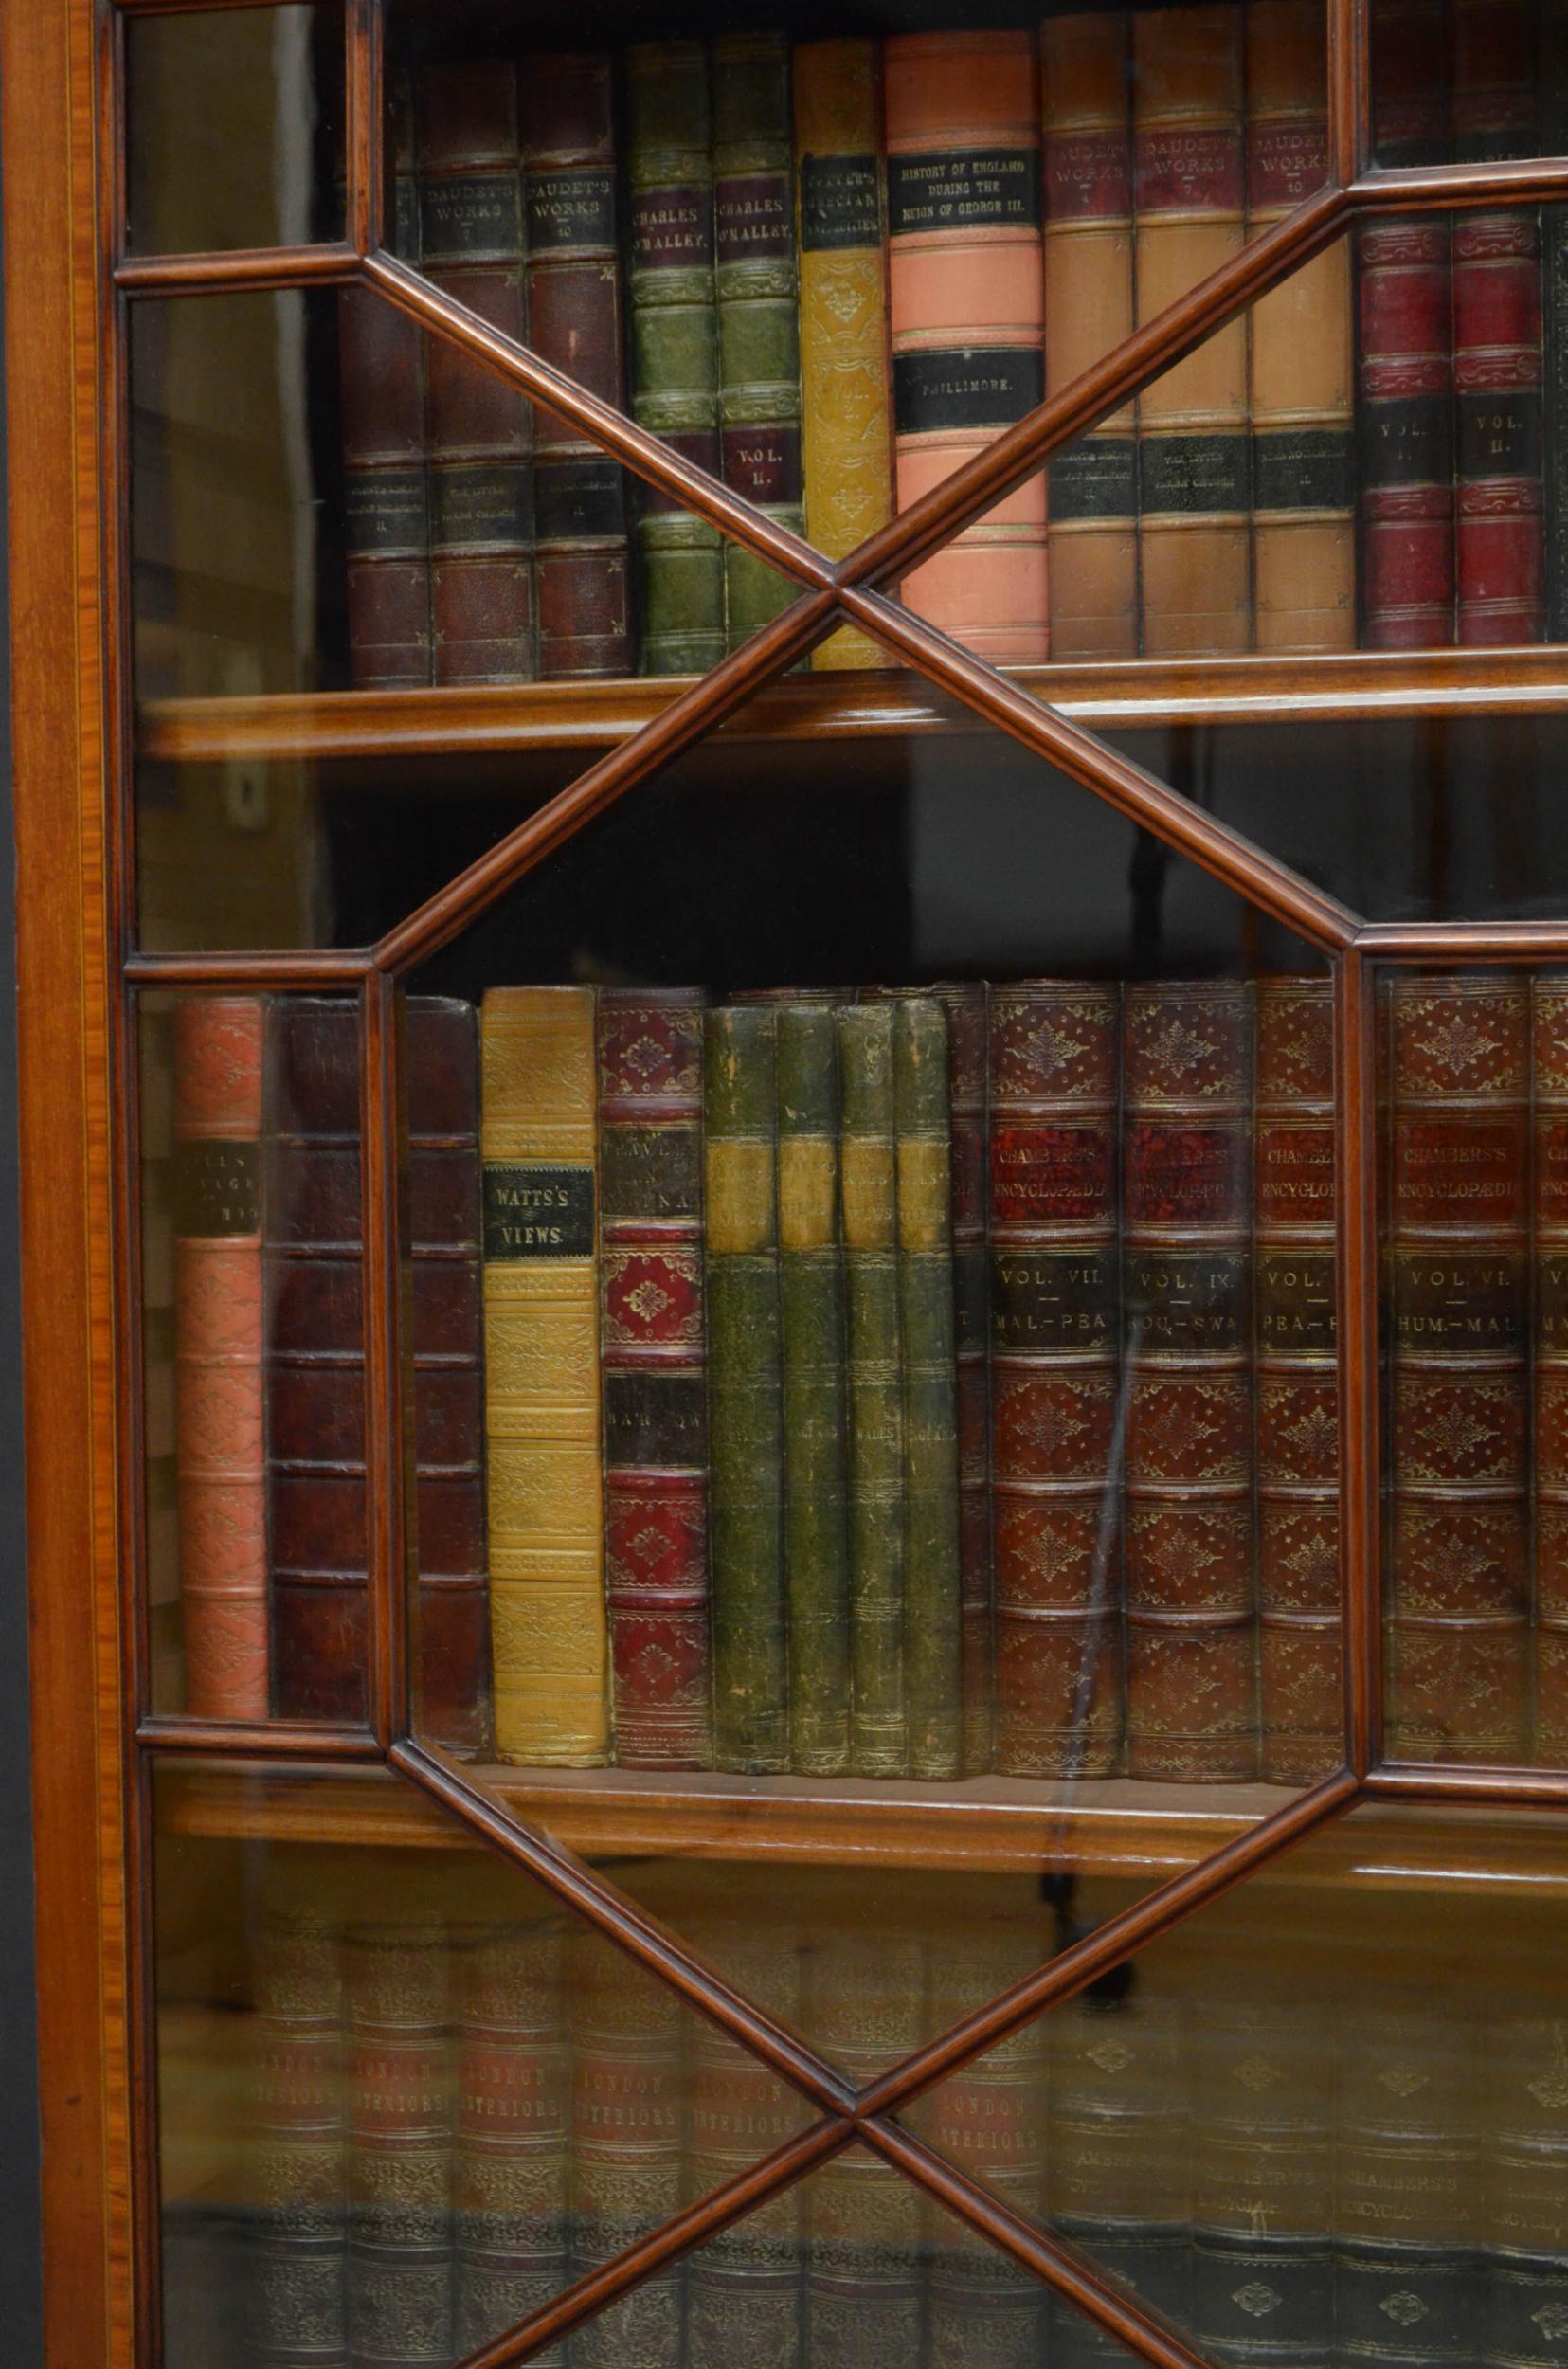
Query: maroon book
[1549, 1009]
[1405, 432]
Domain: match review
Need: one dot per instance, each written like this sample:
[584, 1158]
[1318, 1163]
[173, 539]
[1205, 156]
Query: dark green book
[878, 1745]
[674, 372]
[745, 1398]
[811, 1301]
[933, 1566]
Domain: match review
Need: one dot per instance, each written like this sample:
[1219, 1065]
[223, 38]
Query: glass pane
[403, 2098]
[1468, 84]
[234, 128]
[254, 1356]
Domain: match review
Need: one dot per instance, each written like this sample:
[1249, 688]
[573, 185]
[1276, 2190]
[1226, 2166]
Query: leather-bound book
[512, 2128]
[538, 1143]
[385, 500]
[451, 1645]
[1086, 80]
[745, 1393]
[966, 311]
[1187, 1087]
[313, 1261]
[1302, 371]
[301, 2283]
[1412, 94]
[1458, 1686]
[1404, 431]
[1554, 327]
[846, 395]
[655, 1416]
[581, 560]
[756, 278]
[1055, 1358]
[674, 366]
[816, 1461]
[628, 2147]
[1525, 2172]
[481, 425]
[401, 2286]
[1299, 1616]
[1195, 477]
[221, 1485]
[1549, 1030]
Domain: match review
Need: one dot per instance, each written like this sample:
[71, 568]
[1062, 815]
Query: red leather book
[574, 322]
[653, 1348]
[628, 2142]
[300, 2291]
[1458, 1586]
[220, 1453]
[1187, 1085]
[1549, 1032]
[1298, 1411]
[1405, 432]
[1411, 87]
[1055, 1434]
[400, 2145]
[480, 426]
[1499, 536]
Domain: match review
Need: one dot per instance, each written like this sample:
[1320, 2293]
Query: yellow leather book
[544, 1474]
[841, 227]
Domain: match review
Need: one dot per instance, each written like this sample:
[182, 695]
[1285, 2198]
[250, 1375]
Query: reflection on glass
[1471, 83]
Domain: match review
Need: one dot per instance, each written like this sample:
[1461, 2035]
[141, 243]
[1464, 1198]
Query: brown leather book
[400, 2115]
[1549, 1030]
[628, 2144]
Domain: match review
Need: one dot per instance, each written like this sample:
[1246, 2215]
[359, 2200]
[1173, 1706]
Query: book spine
[514, 2096]
[570, 217]
[966, 318]
[1404, 431]
[1056, 1417]
[1299, 1580]
[811, 1321]
[1554, 328]
[878, 1739]
[1194, 488]
[846, 396]
[480, 426]
[967, 1005]
[932, 1561]
[1086, 83]
[300, 2301]
[221, 1486]
[312, 1265]
[756, 280]
[744, 1397]
[1500, 550]
[1300, 363]
[451, 1654]
[385, 497]
[1192, 1680]
[1411, 82]
[1525, 2177]
[656, 1416]
[538, 1145]
[401, 2299]
[1549, 1034]
[1459, 1223]
[628, 2147]
[674, 369]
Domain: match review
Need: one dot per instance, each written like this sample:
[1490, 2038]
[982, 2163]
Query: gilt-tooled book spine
[933, 1558]
[512, 2128]
[1086, 99]
[386, 498]
[312, 1262]
[757, 282]
[1194, 488]
[1187, 1087]
[879, 1740]
[1404, 431]
[1298, 1418]
[674, 366]
[629, 2088]
[1554, 327]
[570, 216]
[538, 1145]
[221, 1483]
[480, 426]
[451, 1648]
[744, 1393]
[1057, 1414]
[1549, 1033]
[401, 2286]
[1525, 2174]
[846, 397]
[1302, 372]
[965, 314]
[1458, 1551]
[816, 1463]
[301, 2275]
[655, 1416]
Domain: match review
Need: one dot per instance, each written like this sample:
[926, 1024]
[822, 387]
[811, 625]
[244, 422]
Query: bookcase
[793, 918]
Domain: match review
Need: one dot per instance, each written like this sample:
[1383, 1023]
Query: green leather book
[932, 1569]
[878, 1745]
[758, 308]
[745, 1398]
[811, 1301]
[674, 372]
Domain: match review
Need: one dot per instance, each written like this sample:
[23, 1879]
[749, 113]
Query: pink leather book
[967, 307]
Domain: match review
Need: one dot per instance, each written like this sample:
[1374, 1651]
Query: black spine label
[386, 513]
[1303, 468]
[1500, 433]
[1189, 476]
[1045, 1300]
[964, 189]
[839, 204]
[655, 1419]
[217, 1186]
[537, 1212]
[483, 509]
[579, 501]
[1461, 1303]
[1095, 478]
[966, 386]
[471, 217]
[1295, 1304]
[1552, 1303]
[1188, 1303]
[651, 1172]
[1407, 439]
[570, 208]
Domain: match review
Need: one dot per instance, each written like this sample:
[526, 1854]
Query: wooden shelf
[1116, 698]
